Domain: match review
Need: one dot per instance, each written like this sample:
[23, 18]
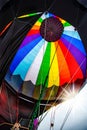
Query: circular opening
[51, 29]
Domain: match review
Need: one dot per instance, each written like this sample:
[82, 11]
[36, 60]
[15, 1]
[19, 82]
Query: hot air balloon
[51, 57]
[48, 55]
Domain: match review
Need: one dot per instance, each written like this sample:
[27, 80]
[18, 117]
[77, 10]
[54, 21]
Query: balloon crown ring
[51, 29]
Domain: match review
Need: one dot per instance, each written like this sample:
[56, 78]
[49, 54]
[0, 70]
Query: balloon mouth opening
[51, 29]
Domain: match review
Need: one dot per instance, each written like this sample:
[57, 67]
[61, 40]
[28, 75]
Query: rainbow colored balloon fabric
[51, 53]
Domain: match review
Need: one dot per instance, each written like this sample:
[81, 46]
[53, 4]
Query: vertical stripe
[54, 69]
[74, 68]
[64, 73]
[44, 69]
[33, 71]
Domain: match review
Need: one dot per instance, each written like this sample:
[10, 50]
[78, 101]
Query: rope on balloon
[41, 94]
[42, 90]
[55, 79]
[38, 103]
[70, 109]
[35, 111]
[68, 47]
[65, 87]
[52, 86]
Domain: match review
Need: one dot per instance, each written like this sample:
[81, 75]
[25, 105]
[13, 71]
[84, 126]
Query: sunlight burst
[69, 93]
